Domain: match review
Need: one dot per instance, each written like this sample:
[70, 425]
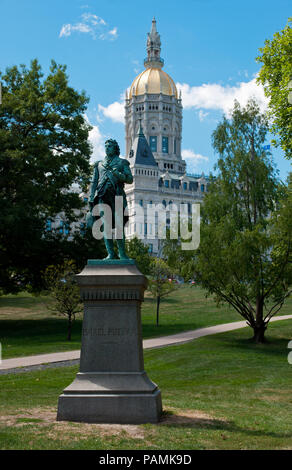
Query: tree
[182, 261]
[244, 256]
[276, 77]
[44, 152]
[136, 250]
[61, 285]
[84, 246]
[159, 284]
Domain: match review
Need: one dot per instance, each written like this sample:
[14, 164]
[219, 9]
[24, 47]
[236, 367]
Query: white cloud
[114, 111]
[212, 96]
[188, 154]
[93, 19]
[202, 115]
[90, 24]
[97, 141]
[65, 30]
[110, 35]
[193, 160]
[113, 32]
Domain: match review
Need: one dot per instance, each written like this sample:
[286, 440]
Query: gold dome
[154, 81]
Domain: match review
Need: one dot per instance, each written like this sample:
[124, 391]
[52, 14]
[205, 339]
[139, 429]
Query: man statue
[108, 181]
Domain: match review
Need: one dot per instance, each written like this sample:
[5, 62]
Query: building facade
[153, 127]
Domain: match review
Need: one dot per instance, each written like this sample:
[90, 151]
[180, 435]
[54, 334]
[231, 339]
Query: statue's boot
[109, 244]
[121, 248]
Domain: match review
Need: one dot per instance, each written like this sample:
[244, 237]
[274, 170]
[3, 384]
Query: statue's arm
[94, 182]
[126, 174]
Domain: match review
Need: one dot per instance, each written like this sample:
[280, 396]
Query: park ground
[218, 392]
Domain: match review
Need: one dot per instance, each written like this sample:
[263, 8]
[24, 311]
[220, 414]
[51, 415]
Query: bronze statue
[108, 181]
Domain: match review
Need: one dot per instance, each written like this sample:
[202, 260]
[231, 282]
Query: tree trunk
[157, 310]
[259, 327]
[69, 327]
[259, 334]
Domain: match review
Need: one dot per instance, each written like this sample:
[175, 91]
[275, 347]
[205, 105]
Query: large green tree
[44, 153]
[276, 77]
[245, 250]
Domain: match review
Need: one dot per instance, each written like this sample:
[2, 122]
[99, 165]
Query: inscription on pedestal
[109, 331]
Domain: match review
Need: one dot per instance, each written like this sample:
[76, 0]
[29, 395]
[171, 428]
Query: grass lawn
[218, 392]
[27, 327]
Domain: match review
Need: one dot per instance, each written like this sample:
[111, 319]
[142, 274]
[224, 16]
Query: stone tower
[153, 121]
[153, 99]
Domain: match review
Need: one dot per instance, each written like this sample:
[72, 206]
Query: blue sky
[209, 48]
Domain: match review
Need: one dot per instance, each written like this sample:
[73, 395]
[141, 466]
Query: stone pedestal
[112, 386]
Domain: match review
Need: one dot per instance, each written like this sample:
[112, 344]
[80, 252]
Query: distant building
[153, 123]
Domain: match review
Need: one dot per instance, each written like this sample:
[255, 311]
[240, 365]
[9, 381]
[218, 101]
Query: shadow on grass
[272, 346]
[170, 419]
[33, 328]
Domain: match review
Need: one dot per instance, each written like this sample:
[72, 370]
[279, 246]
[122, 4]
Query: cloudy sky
[209, 48]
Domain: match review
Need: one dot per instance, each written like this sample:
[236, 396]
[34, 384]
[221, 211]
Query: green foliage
[83, 247]
[182, 261]
[136, 250]
[62, 286]
[275, 75]
[246, 230]
[44, 150]
[161, 282]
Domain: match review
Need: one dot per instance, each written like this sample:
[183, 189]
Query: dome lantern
[153, 48]
[153, 80]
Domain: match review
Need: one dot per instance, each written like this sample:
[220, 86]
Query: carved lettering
[109, 331]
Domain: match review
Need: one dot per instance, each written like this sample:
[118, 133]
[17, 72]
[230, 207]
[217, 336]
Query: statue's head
[112, 148]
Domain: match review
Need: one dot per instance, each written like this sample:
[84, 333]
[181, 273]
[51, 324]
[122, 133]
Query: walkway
[179, 338]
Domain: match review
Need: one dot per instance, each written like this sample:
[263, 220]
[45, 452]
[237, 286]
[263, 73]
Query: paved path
[179, 338]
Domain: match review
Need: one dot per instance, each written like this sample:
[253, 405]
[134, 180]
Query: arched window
[164, 144]
[153, 143]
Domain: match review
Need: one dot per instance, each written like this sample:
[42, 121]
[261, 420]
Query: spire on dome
[153, 48]
[153, 29]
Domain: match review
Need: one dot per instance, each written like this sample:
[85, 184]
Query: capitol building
[153, 126]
